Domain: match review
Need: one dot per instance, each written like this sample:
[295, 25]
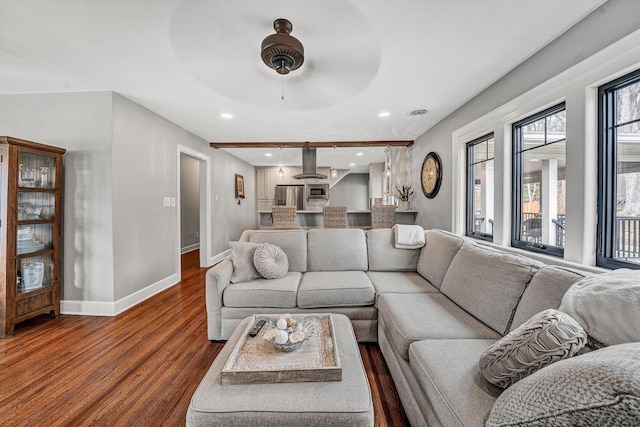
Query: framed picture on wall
[239, 187]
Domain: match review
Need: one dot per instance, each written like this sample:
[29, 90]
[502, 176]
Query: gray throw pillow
[242, 260]
[600, 388]
[270, 261]
[547, 337]
[607, 306]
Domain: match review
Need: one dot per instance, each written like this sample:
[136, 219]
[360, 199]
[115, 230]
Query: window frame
[608, 172]
[469, 232]
[516, 183]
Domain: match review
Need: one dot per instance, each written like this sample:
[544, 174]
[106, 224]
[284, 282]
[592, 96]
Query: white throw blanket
[408, 236]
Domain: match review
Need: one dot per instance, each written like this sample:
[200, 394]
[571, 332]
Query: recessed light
[360, 154]
[384, 114]
[268, 154]
[226, 116]
[352, 164]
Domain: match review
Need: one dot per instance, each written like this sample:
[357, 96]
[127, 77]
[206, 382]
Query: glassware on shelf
[20, 175]
[44, 177]
[32, 275]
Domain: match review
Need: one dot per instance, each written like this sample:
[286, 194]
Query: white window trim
[577, 87]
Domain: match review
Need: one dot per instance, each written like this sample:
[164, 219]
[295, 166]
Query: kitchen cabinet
[288, 177]
[266, 183]
[30, 231]
[266, 187]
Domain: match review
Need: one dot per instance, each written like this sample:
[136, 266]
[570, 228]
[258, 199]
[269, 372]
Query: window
[539, 159]
[619, 173]
[480, 188]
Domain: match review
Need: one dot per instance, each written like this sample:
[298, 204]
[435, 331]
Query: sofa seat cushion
[449, 375]
[279, 292]
[404, 282]
[488, 283]
[407, 318]
[335, 289]
[337, 249]
[383, 256]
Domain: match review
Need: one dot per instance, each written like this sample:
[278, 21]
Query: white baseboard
[99, 308]
[189, 248]
[217, 258]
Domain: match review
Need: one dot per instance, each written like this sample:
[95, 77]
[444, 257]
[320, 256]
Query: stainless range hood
[309, 165]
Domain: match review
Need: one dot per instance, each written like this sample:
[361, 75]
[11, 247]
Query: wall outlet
[167, 202]
[173, 202]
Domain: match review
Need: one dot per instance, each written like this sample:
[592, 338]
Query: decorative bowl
[295, 333]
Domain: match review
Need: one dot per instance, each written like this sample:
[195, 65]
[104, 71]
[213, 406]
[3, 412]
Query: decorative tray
[254, 360]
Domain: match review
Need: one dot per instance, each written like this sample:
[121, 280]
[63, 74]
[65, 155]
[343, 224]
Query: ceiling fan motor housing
[281, 51]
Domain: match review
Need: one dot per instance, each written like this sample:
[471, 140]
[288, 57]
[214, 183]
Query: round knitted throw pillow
[270, 261]
[547, 337]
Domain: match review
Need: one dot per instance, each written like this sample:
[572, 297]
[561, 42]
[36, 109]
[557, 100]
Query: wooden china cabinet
[30, 231]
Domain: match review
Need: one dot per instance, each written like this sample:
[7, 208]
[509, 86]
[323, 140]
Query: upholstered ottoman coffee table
[344, 403]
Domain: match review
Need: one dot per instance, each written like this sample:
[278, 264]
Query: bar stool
[284, 217]
[383, 216]
[334, 216]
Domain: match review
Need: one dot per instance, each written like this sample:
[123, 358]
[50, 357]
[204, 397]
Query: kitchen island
[355, 218]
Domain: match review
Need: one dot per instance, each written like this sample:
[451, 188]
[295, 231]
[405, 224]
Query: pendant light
[334, 171]
[281, 171]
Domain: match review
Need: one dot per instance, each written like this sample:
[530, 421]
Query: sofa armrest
[217, 279]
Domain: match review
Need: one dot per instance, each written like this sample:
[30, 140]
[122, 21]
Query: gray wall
[81, 123]
[352, 191]
[121, 162]
[607, 24]
[189, 202]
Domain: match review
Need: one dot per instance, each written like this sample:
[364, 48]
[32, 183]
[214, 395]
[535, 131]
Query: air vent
[416, 113]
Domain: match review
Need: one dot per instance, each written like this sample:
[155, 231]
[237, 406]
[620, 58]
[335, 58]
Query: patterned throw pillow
[600, 388]
[270, 261]
[547, 337]
[242, 260]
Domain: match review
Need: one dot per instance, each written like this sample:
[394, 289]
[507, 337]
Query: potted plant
[404, 196]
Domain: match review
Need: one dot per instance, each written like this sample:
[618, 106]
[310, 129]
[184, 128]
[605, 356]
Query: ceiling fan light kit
[281, 51]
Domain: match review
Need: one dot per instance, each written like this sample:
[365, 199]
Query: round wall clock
[431, 175]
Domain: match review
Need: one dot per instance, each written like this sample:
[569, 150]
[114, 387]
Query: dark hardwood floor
[138, 368]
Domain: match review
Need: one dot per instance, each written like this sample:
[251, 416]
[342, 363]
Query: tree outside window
[619, 173]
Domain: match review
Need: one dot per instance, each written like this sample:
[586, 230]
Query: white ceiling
[192, 60]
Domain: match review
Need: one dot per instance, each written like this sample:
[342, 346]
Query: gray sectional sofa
[433, 311]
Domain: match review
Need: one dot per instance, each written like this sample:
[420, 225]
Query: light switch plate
[167, 202]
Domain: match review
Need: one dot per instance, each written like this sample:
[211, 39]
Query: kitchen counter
[355, 218]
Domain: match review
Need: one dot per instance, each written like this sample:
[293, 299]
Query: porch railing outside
[627, 237]
[627, 234]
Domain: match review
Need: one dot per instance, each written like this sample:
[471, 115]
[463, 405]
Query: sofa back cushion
[545, 291]
[292, 242]
[437, 254]
[383, 256]
[488, 283]
[337, 249]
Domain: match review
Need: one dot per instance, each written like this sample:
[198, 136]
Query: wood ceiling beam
[405, 143]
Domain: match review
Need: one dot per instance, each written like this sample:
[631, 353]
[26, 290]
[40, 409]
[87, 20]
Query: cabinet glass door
[34, 273]
[34, 238]
[34, 206]
[36, 171]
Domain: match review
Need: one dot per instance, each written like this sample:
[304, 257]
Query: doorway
[193, 205]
